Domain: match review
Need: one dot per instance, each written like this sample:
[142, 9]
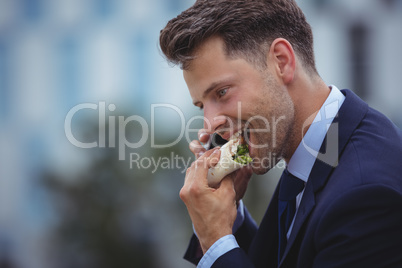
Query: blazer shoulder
[377, 144]
[373, 144]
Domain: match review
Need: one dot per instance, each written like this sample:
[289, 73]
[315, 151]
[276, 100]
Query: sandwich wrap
[234, 155]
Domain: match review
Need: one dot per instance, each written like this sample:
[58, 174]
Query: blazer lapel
[264, 248]
[349, 116]
[303, 212]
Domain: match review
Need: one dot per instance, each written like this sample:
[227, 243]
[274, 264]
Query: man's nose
[213, 120]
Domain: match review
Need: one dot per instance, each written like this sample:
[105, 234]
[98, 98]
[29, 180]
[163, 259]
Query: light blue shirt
[299, 165]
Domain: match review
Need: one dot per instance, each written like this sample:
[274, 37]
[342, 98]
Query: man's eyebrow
[212, 87]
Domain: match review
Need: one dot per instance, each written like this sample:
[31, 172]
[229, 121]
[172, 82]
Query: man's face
[236, 96]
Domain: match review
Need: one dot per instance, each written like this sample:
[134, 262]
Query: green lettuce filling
[242, 155]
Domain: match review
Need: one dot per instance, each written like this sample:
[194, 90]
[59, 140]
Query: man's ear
[283, 57]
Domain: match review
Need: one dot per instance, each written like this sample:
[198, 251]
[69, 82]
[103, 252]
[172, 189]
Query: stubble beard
[276, 143]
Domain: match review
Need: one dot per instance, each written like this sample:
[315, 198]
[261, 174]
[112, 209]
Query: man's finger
[227, 187]
[204, 135]
[193, 171]
[199, 169]
[213, 159]
[196, 148]
[208, 159]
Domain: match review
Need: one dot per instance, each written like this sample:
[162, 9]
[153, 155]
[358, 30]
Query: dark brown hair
[247, 28]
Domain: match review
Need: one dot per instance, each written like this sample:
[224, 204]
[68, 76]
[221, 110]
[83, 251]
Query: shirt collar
[303, 159]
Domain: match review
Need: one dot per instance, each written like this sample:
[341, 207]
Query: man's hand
[240, 177]
[212, 211]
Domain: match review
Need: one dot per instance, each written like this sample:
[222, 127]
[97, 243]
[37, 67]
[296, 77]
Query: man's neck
[308, 98]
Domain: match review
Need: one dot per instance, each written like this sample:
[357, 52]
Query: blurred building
[357, 47]
[55, 55]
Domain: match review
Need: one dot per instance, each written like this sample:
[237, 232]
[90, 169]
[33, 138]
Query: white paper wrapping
[226, 164]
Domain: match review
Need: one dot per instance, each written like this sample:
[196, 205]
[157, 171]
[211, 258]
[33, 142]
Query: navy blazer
[351, 211]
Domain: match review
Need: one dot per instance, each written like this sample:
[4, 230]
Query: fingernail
[202, 135]
[200, 154]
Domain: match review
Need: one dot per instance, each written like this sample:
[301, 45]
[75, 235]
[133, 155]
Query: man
[250, 66]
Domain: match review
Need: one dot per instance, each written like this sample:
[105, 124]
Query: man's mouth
[221, 138]
[243, 134]
[246, 139]
[239, 149]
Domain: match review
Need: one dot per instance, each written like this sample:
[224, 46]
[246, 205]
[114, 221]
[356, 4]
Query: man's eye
[222, 92]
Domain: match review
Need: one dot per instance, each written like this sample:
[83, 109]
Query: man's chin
[262, 166]
[260, 170]
[245, 172]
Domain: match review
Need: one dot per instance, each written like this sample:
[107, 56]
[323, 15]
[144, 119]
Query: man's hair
[247, 28]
